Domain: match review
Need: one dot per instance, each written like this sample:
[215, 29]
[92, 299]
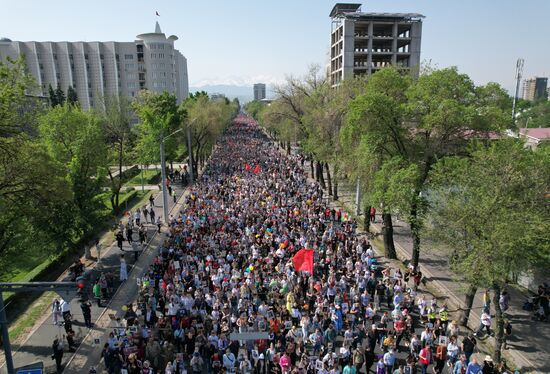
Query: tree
[538, 115]
[72, 97]
[53, 96]
[491, 210]
[446, 111]
[119, 137]
[33, 191]
[59, 96]
[75, 140]
[207, 119]
[375, 132]
[159, 115]
[254, 108]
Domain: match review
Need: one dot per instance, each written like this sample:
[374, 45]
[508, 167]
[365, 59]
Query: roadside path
[37, 346]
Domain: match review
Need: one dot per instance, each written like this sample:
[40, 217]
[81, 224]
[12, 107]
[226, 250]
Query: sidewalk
[37, 346]
[529, 349]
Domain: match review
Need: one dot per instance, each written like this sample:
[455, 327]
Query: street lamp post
[190, 151]
[163, 175]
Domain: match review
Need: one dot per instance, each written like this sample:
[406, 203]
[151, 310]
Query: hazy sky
[242, 41]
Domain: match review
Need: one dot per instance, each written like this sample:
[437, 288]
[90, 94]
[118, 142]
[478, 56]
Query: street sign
[29, 371]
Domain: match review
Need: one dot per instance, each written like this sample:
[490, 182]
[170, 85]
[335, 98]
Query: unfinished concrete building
[362, 43]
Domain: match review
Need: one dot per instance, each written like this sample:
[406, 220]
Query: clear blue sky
[249, 40]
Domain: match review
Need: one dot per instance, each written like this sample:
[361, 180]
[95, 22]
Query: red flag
[257, 169]
[303, 260]
[247, 167]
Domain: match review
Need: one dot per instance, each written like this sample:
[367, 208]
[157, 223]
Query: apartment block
[362, 43]
[259, 91]
[99, 69]
[534, 88]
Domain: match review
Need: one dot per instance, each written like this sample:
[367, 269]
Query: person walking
[97, 292]
[86, 307]
[152, 215]
[98, 249]
[145, 213]
[119, 239]
[152, 200]
[123, 269]
[57, 355]
[159, 223]
[484, 323]
[425, 358]
[372, 214]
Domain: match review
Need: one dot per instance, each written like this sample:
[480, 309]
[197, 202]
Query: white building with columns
[99, 69]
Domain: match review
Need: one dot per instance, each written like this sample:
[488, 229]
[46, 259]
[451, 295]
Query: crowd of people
[223, 294]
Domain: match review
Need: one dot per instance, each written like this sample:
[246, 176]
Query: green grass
[151, 176]
[26, 321]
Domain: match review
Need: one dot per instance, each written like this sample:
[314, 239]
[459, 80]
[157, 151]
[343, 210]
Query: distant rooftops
[354, 11]
[538, 133]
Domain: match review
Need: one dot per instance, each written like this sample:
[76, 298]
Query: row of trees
[432, 150]
[56, 160]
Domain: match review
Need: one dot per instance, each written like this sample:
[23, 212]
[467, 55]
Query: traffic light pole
[6, 336]
[23, 287]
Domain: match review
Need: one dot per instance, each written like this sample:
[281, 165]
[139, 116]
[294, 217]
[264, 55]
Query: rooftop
[539, 133]
[350, 10]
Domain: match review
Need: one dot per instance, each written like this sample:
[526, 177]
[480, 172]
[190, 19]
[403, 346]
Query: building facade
[361, 43]
[100, 69]
[534, 88]
[259, 91]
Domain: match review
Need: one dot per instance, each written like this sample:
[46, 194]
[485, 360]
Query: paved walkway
[37, 346]
[529, 346]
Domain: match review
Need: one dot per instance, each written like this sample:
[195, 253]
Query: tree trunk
[415, 233]
[288, 148]
[320, 174]
[499, 324]
[469, 301]
[311, 166]
[329, 179]
[366, 220]
[387, 233]
[335, 184]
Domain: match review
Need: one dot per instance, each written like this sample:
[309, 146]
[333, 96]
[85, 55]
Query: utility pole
[163, 180]
[163, 174]
[190, 151]
[519, 72]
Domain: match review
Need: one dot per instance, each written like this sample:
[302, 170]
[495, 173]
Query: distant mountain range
[243, 93]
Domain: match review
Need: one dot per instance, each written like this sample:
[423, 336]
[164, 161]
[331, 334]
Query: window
[131, 76]
[153, 55]
[161, 46]
[86, 56]
[161, 55]
[71, 56]
[55, 56]
[153, 46]
[41, 66]
[38, 56]
[130, 66]
[101, 56]
[128, 57]
[117, 57]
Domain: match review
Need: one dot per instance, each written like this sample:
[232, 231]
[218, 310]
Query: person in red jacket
[425, 358]
[372, 214]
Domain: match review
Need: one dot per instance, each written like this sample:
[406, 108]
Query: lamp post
[163, 174]
[190, 151]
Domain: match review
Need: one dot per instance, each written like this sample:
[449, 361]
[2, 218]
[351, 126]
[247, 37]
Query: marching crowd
[224, 293]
